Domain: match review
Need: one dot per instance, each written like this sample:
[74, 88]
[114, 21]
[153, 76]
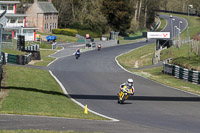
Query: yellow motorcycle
[124, 93]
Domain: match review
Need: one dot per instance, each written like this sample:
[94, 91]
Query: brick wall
[45, 22]
[32, 15]
[50, 22]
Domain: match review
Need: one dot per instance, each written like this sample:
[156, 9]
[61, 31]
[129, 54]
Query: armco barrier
[133, 38]
[182, 73]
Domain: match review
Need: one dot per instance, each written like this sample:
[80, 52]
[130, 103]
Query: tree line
[125, 16]
[106, 15]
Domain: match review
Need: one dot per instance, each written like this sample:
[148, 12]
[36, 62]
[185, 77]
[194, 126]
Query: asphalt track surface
[94, 80]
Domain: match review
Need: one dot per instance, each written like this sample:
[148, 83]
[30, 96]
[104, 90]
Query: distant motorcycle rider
[129, 84]
[77, 53]
[78, 50]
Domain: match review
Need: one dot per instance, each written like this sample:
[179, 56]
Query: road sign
[158, 35]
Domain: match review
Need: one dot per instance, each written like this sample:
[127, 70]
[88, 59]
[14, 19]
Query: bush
[73, 32]
[69, 32]
[77, 25]
[92, 34]
[57, 31]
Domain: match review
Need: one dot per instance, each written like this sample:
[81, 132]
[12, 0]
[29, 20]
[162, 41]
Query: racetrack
[94, 80]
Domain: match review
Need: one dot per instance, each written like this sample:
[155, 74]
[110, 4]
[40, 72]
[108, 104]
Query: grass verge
[45, 57]
[163, 24]
[128, 61]
[143, 57]
[137, 58]
[35, 92]
[38, 131]
[61, 38]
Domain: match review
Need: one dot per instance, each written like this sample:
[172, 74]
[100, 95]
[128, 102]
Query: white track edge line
[81, 105]
[148, 78]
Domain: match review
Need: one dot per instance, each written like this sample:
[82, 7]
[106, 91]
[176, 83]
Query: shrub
[92, 34]
[73, 32]
[69, 32]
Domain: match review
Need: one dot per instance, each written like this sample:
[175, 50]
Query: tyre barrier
[18, 59]
[32, 47]
[182, 73]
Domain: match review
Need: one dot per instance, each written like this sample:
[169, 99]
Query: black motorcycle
[77, 54]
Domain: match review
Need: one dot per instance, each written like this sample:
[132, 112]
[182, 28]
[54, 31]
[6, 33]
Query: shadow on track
[137, 98]
[34, 90]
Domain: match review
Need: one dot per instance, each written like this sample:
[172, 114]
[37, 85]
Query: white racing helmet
[130, 82]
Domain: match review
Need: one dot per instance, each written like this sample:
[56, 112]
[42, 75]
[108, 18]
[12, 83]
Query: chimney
[50, 1]
[35, 1]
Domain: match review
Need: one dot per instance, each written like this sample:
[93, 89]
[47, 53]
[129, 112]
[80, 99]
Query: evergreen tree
[118, 14]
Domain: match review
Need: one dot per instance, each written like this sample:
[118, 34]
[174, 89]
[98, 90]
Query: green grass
[38, 131]
[137, 33]
[45, 59]
[137, 58]
[179, 56]
[13, 51]
[194, 25]
[157, 75]
[35, 92]
[162, 25]
[61, 38]
[128, 61]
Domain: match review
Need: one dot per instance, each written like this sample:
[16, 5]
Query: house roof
[15, 15]
[9, 2]
[47, 7]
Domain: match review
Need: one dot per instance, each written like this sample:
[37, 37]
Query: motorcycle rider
[99, 47]
[129, 84]
[77, 53]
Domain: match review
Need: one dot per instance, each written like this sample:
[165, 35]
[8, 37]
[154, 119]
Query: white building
[16, 24]
[10, 6]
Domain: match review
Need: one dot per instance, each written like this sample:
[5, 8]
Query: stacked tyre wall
[182, 73]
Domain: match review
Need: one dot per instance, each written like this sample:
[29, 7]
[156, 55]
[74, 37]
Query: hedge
[73, 32]
[69, 32]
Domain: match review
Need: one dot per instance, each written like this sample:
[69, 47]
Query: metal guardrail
[133, 38]
[182, 13]
[182, 73]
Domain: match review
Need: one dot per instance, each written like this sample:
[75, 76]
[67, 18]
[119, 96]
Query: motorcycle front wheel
[121, 100]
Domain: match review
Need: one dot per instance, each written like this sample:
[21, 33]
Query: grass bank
[38, 131]
[30, 91]
[162, 25]
[143, 57]
[60, 38]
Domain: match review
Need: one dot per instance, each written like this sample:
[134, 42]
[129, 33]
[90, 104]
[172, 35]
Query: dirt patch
[136, 64]
[145, 55]
[145, 73]
[34, 61]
